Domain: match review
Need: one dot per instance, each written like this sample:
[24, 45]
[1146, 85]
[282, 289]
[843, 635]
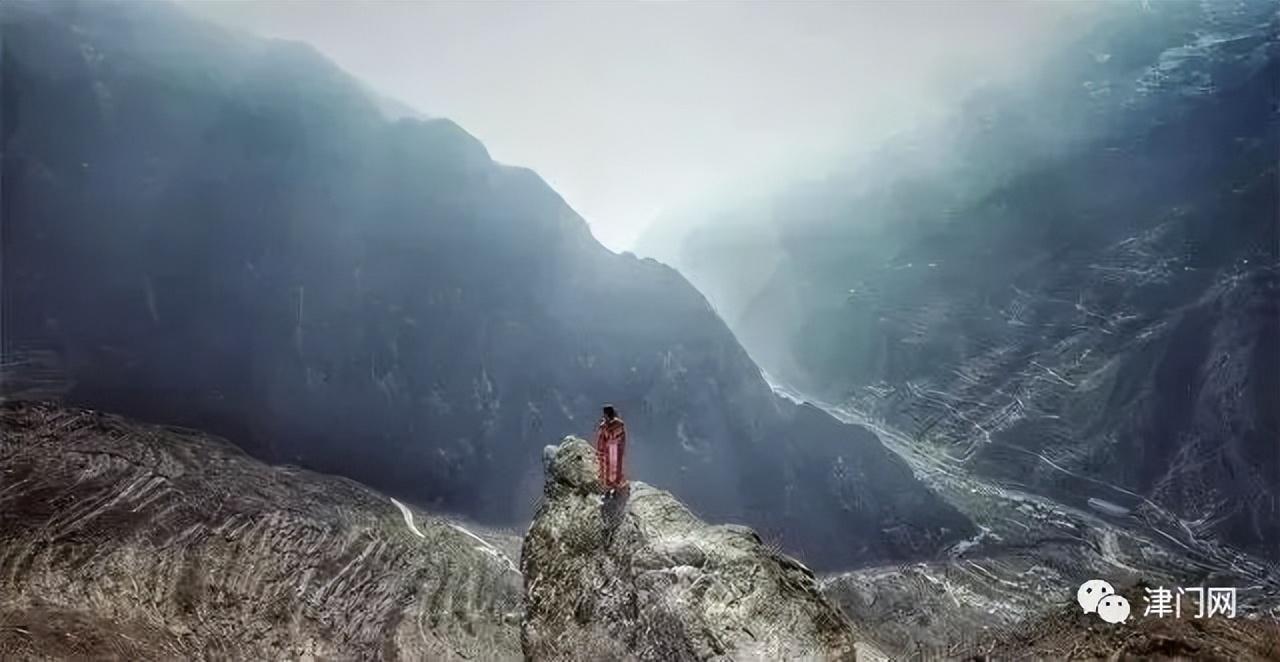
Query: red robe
[611, 441]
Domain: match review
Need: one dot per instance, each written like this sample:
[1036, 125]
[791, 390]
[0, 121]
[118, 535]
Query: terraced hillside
[129, 541]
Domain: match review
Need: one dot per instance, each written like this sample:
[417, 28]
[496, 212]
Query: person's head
[610, 412]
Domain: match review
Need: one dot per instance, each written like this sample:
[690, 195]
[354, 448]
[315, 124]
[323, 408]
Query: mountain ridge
[234, 238]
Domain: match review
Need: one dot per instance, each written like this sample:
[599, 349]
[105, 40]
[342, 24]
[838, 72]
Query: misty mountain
[228, 233]
[1071, 286]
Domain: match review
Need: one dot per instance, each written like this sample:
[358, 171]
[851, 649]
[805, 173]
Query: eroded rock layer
[638, 576]
[132, 541]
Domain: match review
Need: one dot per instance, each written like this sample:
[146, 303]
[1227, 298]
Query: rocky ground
[128, 541]
[1072, 634]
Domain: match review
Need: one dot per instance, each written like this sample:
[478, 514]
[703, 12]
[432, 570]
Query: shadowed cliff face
[637, 576]
[222, 232]
[131, 541]
[1077, 293]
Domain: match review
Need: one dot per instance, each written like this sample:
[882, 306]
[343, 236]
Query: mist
[632, 109]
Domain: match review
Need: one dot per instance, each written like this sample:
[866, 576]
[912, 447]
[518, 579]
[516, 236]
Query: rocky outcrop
[637, 576]
[131, 542]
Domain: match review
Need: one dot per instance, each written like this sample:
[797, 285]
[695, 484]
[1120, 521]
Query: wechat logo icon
[1098, 596]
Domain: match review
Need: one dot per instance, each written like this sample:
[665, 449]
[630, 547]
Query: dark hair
[610, 412]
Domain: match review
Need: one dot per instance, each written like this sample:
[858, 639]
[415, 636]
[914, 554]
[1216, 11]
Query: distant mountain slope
[1073, 285]
[223, 232]
[131, 541]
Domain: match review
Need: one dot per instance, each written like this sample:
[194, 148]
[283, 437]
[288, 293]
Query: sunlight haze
[631, 108]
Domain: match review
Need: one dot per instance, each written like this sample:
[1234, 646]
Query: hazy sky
[628, 108]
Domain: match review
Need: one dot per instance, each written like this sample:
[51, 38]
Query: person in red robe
[611, 441]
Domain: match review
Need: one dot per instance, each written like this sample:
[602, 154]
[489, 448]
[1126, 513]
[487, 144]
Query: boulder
[637, 576]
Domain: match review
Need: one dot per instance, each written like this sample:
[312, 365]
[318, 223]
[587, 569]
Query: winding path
[408, 518]
[484, 547]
